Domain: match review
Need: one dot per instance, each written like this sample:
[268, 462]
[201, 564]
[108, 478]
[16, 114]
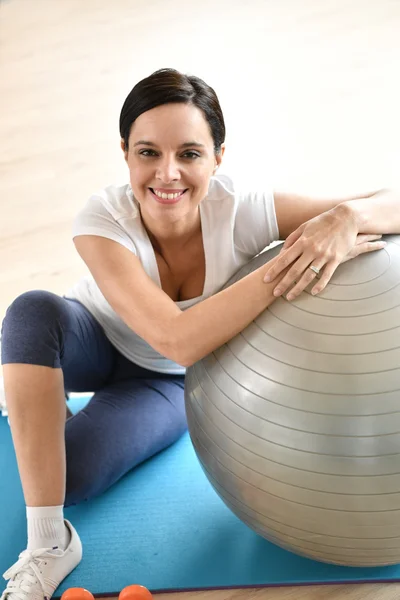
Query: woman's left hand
[323, 242]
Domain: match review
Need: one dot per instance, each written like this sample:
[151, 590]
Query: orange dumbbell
[134, 592]
[77, 594]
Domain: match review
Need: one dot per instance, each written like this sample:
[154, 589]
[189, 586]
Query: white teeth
[167, 196]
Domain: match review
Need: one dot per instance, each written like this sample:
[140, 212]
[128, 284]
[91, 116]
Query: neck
[175, 235]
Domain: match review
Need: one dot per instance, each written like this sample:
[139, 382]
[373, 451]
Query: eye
[147, 153]
[151, 153]
[191, 155]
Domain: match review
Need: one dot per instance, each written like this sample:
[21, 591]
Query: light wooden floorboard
[311, 97]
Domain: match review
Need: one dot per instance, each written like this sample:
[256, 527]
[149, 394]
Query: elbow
[178, 352]
[187, 362]
[178, 355]
[178, 345]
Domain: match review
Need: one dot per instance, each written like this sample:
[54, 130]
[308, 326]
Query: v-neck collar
[207, 242]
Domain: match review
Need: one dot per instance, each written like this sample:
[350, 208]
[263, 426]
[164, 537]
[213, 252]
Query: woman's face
[171, 159]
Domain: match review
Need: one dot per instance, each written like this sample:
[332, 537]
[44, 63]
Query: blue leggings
[134, 412]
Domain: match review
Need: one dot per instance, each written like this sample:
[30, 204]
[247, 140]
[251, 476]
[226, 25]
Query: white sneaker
[37, 573]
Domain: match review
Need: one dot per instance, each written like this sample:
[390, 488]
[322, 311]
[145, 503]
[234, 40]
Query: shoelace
[24, 574]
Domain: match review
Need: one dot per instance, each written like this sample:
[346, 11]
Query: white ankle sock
[46, 527]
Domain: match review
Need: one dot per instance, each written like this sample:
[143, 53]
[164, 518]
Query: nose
[167, 170]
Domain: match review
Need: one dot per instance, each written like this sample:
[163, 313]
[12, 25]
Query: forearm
[378, 214]
[211, 323]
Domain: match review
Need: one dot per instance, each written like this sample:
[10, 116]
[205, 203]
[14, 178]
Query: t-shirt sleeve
[95, 219]
[256, 225]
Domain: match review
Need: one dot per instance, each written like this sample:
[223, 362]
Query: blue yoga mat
[164, 527]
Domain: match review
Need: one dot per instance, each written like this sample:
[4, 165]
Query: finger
[329, 270]
[365, 237]
[370, 247]
[362, 248]
[308, 276]
[331, 267]
[293, 237]
[296, 274]
[283, 261]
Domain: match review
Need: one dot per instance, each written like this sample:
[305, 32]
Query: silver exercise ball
[296, 421]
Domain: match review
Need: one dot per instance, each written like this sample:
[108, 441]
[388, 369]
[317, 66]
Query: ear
[218, 157]
[124, 150]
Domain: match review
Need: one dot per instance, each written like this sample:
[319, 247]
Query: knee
[28, 319]
[35, 305]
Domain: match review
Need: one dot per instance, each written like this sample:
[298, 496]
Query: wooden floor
[311, 97]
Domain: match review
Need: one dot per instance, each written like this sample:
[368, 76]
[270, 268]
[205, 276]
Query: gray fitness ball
[296, 421]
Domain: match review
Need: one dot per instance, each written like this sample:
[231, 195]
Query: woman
[158, 251]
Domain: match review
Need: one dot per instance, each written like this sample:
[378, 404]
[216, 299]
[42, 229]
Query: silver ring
[315, 269]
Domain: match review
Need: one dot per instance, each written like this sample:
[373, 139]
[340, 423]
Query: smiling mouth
[170, 197]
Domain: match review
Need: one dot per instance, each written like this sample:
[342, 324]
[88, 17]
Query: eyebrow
[185, 145]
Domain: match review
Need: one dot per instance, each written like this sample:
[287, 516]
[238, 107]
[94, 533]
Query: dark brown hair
[168, 86]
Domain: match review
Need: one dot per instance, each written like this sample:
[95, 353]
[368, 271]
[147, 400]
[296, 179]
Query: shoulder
[117, 200]
[220, 187]
[221, 198]
[224, 187]
[228, 194]
[111, 212]
[247, 209]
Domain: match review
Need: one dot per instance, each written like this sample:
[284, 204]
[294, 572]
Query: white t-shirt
[236, 226]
